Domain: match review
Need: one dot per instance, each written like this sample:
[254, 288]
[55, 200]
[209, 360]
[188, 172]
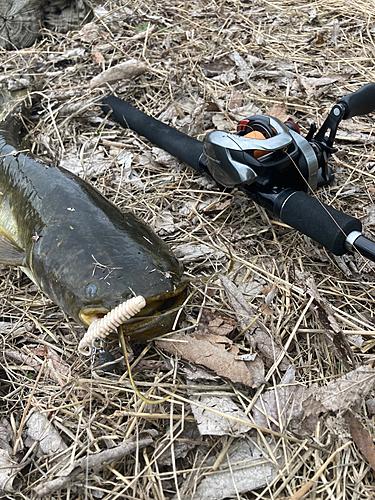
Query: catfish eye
[91, 290]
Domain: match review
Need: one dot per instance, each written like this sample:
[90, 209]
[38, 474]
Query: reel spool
[253, 129]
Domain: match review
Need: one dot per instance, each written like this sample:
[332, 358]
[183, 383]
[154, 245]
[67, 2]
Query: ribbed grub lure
[102, 327]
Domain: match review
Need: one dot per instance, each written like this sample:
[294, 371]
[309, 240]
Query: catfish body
[84, 253]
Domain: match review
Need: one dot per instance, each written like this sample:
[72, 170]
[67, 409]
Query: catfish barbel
[81, 250]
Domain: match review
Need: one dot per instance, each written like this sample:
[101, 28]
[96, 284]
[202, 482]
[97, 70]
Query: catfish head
[95, 257]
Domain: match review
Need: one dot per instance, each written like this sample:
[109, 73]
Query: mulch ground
[305, 427]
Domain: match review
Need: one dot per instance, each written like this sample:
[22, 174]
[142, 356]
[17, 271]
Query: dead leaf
[192, 372]
[94, 462]
[260, 340]
[192, 253]
[6, 436]
[96, 164]
[187, 440]
[214, 356]
[339, 427]
[89, 33]
[275, 409]
[311, 85]
[327, 320]
[279, 112]
[40, 429]
[147, 365]
[164, 223]
[58, 370]
[212, 424]
[215, 323]
[362, 439]
[98, 57]
[247, 466]
[319, 40]
[8, 471]
[236, 100]
[221, 122]
[342, 393]
[123, 71]
[370, 405]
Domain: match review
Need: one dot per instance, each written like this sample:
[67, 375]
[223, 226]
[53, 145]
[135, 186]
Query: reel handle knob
[360, 102]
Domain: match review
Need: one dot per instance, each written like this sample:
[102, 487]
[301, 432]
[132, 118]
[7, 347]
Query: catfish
[84, 253]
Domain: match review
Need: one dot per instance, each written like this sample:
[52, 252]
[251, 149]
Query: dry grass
[195, 82]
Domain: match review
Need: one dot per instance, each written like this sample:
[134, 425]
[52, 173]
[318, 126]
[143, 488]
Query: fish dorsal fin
[10, 253]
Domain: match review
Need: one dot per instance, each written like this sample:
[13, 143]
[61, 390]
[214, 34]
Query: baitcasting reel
[267, 151]
[272, 163]
[264, 150]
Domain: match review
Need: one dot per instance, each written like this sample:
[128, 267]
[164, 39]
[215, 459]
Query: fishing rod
[270, 162]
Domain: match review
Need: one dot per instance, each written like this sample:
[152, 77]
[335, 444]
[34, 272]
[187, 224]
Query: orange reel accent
[256, 135]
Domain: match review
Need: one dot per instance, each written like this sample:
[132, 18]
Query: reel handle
[360, 102]
[178, 144]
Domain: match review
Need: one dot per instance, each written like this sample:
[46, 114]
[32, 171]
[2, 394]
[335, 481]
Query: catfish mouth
[155, 311]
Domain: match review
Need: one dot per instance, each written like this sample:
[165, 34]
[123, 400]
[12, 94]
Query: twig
[94, 462]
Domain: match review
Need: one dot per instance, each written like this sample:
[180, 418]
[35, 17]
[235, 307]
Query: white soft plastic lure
[102, 327]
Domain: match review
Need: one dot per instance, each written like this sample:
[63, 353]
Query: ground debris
[246, 466]
[211, 351]
[123, 71]
[8, 471]
[213, 424]
[341, 394]
[40, 429]
[56, 369]
[259, 339]
[362, 438]
[95, 462]
[326, 318]
[205, 65]
[275, 409]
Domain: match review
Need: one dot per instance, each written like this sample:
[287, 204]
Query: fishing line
[135, 388]
[313, 194]
[92, 359]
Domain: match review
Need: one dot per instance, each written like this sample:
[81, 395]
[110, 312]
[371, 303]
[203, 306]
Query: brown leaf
[58, 370]
[319, 40]
[89, 33]
[198, 350]
[279, 112]
[362, 439]
[266, 290]
[98, 57]
[274, 409]
[215, 323]
[236, 100]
